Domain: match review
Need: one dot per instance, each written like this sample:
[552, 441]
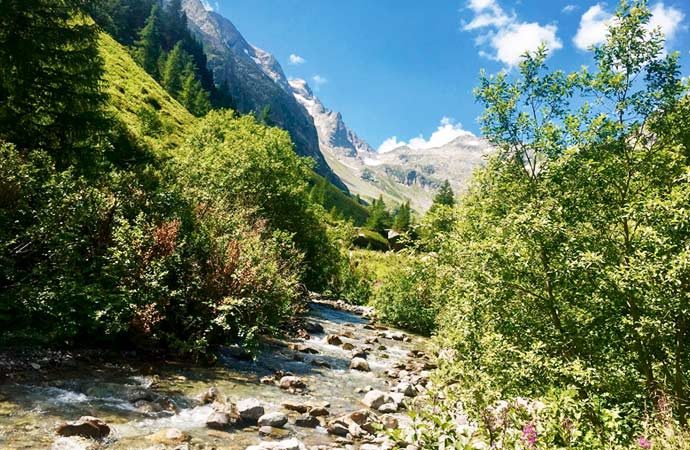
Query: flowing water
[30, 412]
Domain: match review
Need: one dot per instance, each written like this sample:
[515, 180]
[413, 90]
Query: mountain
[402, 174]
[256, 80]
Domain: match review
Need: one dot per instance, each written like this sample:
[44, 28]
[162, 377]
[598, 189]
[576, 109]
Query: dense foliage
[143, 232]
[562, 277]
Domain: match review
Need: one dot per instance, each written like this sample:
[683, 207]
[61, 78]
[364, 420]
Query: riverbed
[140, 404]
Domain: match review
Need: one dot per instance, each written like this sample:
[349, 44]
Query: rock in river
[250, 409]
[374, 399]
[86, 427]
[273, 419]
[359, 364]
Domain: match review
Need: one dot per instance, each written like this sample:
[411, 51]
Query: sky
[403, 71]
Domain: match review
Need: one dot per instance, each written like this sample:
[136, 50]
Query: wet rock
[359, 364]
[86, 427]
[320, 363]
[273, 419]
[303, 349]
[333, 339]
[338, 428]
[405, 388]
[219, 420]
[275, 433]
[388, 408]
[292, 382]
[297, 407]
[348, 346]
[375, 398]
[287, 444]
[74, 443]
[348, 334]
[307, 421]
[250, 409]
[267, 380]
[170, 436]
[360, 353]
[209, 396]
[313, 327]
[389, 422]
[318, 411]
[360, 417]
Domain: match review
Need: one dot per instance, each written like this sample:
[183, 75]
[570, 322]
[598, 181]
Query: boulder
[318, 411]
[291, 382]
[86, 427]
[250, 409]
[338, 428]
[273, 419]
[209, 396]
[307, 421]
[389, 422]
[297, 407]
[407, 389]
[387, 408]
[169, 436]
[333, 339]
[359, 364]
[375, 398]
[348, 346]
[219, 420]
[313, 327]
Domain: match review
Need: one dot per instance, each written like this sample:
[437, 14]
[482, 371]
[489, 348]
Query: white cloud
[567, 9]
[507, 37]
[594, 26]
[296, 59]
[207, 5]
[319, 80]
[596, 20]
[668, 20]
[446, 132]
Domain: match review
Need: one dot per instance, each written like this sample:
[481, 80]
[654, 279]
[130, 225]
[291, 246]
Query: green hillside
[138, 101]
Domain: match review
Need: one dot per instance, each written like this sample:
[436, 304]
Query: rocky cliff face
[256, 80]
[399, 175]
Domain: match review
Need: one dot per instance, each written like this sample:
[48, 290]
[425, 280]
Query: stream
[168, 407]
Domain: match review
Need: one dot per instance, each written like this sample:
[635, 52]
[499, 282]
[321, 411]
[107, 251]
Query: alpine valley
[257, 80]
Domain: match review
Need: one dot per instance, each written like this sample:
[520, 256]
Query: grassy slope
[131, 89]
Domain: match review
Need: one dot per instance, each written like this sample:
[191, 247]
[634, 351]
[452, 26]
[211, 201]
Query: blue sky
[401, 69]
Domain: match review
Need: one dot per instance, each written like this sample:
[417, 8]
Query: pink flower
[529, 435]
[643, 442]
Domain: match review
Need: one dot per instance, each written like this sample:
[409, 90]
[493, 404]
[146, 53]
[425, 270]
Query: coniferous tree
[379, 218]
[173, 70]
[149, 50]
[445, 195]
[50, 73]
[403, 218]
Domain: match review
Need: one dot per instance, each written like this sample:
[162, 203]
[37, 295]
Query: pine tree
[149, 49]
[174, 69]
[403, 218]
[445, 195]
[379, 217]
[50, 74]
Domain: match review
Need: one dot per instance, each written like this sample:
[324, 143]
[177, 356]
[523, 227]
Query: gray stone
[86, 427]
[250, 409]
[273, 419]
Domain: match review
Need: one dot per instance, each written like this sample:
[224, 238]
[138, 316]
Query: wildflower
[529, 435]
[643, 442]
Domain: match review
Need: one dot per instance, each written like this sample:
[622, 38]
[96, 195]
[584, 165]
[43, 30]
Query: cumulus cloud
[596, 21]
[319, 80]
[594, 25]
[446, 132]
[505, 38]
[296, 59]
